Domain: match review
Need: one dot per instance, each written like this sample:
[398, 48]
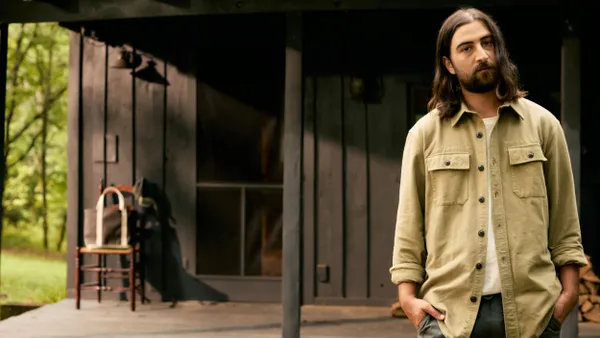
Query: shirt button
[447, 163]
[481, 167]
[530, 155]
[481, 233]
[473, 299]
[481, 199]
[478, 266]
[479, 134]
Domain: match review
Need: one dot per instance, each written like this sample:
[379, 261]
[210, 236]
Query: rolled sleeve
[409, 244]
[564, 233]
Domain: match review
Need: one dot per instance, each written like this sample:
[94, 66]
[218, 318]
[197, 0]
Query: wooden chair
[131, 248]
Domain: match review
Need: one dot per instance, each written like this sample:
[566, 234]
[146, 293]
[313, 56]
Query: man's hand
[416, 310]
[564, 304]
[569, 279]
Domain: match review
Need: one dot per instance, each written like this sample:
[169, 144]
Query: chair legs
[135, 273]
[100, 277]
[132, 264]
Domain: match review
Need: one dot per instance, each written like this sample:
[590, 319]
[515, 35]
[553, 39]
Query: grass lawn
[31, 278]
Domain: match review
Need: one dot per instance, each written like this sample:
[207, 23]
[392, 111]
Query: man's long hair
[446, 94]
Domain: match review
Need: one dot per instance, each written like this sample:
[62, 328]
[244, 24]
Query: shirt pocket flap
[451, 161]
[525, 154]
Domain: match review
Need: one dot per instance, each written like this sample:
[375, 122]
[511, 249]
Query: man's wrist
[406, 292]
[406, 299]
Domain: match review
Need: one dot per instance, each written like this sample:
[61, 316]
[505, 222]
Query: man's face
[473, 58]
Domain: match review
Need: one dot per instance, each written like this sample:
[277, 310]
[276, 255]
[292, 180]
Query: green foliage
[37, 79]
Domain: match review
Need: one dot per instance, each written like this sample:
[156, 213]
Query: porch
[196, 319]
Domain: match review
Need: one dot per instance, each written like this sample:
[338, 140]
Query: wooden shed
[248, 115]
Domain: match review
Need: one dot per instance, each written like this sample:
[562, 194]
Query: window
[240, 161]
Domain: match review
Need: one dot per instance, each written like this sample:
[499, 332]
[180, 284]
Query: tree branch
[25, 128]
[26, 152]
[19, 58]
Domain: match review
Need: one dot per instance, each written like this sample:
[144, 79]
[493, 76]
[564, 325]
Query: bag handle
[100, 216]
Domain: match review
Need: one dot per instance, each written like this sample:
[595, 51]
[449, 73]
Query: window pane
[264, 211]
[218, 232]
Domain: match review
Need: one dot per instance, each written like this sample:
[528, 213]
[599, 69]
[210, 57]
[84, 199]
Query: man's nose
[481, 54]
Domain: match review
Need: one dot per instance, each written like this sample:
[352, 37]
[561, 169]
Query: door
[352, 160]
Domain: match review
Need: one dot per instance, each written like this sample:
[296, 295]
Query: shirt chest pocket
[527, 170]
[449, 178]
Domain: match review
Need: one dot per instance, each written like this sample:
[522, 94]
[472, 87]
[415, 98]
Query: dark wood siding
[352, 160]
[138, 125]
[132, 128]
[353, 150]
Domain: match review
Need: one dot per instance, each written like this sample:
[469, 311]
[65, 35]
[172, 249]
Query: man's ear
[449, 65]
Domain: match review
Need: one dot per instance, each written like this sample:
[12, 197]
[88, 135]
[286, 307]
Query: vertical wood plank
[74, 155]
[149, 142]
[92, 112]
[355, 143]
[180, 167]
[308, 193]
[119, 122]
[96, 109]
[386, 133]
[330, 184]
[292, 143]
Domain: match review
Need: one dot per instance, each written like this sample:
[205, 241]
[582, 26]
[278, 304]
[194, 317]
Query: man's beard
[484, 79]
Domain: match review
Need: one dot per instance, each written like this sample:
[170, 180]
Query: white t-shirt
[491, 283]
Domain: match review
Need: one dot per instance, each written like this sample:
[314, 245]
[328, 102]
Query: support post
[3, 63]
[571, 123]
[292, 196]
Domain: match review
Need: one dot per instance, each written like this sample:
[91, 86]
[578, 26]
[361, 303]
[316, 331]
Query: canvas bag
[106, 227]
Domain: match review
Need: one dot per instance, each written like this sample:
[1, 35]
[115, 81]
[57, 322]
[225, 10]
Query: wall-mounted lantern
[367, 89]
[126, 60]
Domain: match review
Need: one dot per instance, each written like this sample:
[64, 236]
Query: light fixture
[366, 88]
[357, 88]
[126, 60]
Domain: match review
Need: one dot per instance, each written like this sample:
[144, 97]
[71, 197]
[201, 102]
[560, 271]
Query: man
[483, 246]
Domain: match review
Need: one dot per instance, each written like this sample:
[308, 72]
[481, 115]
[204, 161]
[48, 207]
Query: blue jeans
[489, 322]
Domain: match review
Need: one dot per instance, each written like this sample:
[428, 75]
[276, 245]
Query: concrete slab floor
[194, 319]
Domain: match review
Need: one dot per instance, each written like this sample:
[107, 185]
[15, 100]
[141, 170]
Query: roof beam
[84, 10]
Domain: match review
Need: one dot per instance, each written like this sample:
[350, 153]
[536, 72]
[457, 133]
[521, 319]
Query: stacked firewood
[397, 311]
[589, 300]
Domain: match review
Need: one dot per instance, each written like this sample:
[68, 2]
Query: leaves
[37, 82]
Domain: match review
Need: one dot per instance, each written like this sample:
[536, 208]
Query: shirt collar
[514, 106]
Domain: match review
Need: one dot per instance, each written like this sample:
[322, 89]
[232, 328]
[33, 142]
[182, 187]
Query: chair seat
[107, 249]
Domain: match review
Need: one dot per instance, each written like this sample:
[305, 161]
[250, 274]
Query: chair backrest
[125, 189]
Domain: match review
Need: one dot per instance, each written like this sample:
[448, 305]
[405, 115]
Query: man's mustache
[484, 66]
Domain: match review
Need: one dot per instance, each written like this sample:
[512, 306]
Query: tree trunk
[44, 179]
[63, 231]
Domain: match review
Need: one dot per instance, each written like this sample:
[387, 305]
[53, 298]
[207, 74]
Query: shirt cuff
[407, 272]
[566, 255]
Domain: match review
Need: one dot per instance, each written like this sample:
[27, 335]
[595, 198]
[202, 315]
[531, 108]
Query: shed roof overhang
[12, 11]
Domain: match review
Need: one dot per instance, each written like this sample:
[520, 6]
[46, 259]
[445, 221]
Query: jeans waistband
[491, 297]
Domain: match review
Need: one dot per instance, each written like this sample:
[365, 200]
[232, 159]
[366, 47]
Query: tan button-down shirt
[440, 240]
